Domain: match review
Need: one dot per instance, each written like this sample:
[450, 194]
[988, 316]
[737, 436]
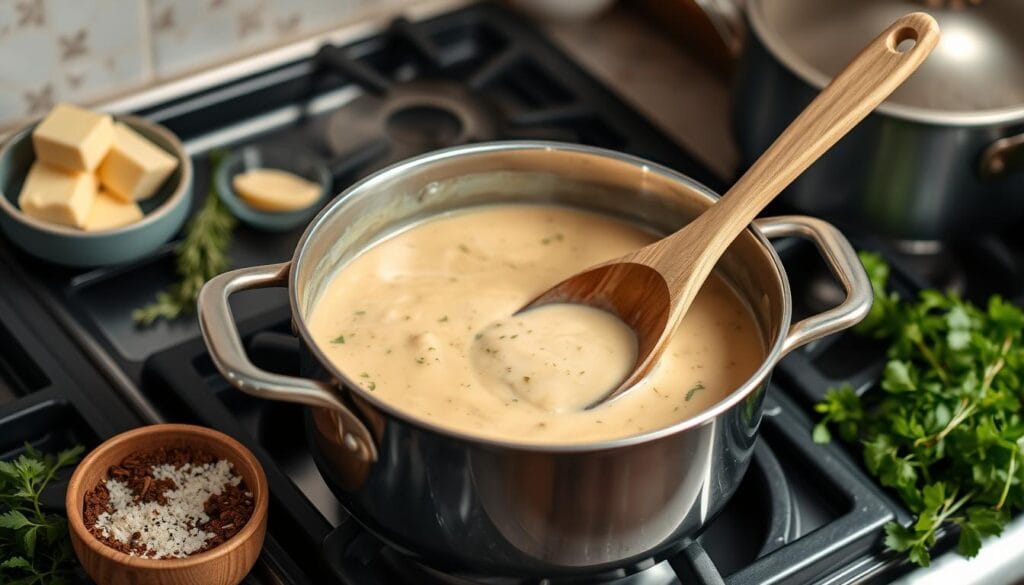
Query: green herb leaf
[842, 408]
[821, 433]
[15, 563]
[919, 555]
[897, 537]
[14, 520]
[69, 456]
[970, 540]
[28, 538]
[898, 377]
[986, 521]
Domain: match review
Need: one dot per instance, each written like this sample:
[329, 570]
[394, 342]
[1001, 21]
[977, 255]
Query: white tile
[74, 50]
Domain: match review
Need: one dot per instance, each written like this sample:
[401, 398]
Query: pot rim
[818, 80]
[367, 187]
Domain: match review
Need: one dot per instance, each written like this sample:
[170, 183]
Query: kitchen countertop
[655, 74]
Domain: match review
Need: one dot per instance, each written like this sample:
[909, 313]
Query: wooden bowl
[227, 564]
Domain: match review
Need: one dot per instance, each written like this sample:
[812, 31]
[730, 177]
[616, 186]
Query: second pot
[939, 160]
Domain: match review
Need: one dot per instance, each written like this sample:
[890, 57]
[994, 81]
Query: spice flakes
[168, 503]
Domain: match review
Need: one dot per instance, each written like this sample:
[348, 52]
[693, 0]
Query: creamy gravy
[423, 320]
[561, 357]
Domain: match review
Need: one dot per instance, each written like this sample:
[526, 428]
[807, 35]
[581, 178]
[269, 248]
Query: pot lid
[977, 69]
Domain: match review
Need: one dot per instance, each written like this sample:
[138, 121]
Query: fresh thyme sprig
[945, 428]
[200, 256]
[34, 545]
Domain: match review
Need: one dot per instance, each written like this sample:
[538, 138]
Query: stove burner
[424, 126]
[411, 118]
[425, 105]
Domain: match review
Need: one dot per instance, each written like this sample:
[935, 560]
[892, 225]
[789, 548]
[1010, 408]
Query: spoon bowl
[652, 288]
[637, 293]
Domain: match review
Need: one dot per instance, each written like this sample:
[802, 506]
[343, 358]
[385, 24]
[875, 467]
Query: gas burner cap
[411, 118]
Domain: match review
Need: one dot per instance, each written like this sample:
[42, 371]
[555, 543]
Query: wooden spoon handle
[872, 75]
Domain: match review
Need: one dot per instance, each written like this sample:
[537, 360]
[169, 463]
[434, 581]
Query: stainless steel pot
[939, 159]
[500, 507]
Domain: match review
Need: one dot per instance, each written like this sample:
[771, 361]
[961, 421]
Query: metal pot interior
[519, 172]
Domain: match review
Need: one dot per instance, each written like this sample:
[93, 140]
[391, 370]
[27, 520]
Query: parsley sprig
[200, 256]
[34, 544]
[945, 429]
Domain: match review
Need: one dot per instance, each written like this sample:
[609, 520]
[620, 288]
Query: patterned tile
[80, 50]
[191, 34]
[188, 34]
[74, 50]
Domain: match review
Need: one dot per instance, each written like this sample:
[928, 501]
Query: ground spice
[168, 519]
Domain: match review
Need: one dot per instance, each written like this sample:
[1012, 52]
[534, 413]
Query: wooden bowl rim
[75, 493]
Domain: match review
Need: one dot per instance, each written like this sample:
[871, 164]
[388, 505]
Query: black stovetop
[804, 513]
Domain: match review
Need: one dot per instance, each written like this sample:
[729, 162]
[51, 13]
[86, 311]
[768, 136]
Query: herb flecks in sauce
[555, 238]
[693, 390]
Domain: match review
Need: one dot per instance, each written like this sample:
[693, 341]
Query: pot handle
[1002, 156]
[225, 345]
[842, 260]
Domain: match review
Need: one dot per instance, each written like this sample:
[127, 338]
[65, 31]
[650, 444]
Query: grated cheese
[169, 530]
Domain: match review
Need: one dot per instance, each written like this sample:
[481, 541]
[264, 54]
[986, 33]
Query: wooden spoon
[651, 289]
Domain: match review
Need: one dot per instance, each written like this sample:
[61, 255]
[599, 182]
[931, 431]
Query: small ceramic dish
[301, 163]
[165, 211]
[226, 564]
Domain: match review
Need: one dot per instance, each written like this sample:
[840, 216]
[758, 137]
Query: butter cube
[72, 138]
[135, 167]
[109, 212]
[56, 196]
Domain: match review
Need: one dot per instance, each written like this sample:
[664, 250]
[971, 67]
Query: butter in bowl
[272, 188]
[84, 188]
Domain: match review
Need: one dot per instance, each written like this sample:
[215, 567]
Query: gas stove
[805, 513]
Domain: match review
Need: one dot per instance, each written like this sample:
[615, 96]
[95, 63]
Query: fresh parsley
[944, 430]
[34, 545]
[200, 256]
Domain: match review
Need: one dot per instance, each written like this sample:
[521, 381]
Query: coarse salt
[167, 530]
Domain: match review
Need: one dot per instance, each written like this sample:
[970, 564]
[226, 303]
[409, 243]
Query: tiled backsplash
[82, 50]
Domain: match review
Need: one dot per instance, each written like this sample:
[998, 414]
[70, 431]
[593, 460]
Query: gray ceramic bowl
[164, 212]
[301, 163]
